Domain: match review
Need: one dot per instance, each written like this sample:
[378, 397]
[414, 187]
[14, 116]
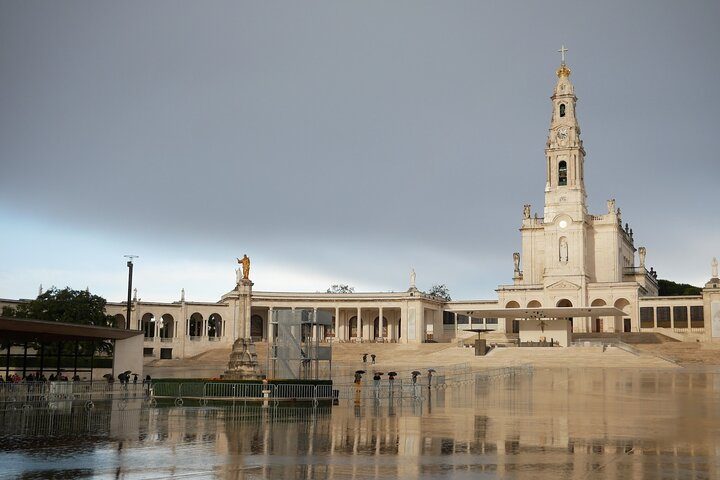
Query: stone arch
[564, 302]
[624, 305]
[598, 323]
[195, 325]
[534, 304]
[167, 326]
[147, 325]
[376, 327]
[515, 324]
[353, 326]
[119, 320]
[257, 327]
[215, 325]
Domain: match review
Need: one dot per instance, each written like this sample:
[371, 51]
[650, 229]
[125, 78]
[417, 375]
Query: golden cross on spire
[562, 52]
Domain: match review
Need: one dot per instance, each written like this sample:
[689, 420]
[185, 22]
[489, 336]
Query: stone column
[244, 306]
[337, 324]
[455, 322]
[359, 323]
[315, 325]
[380, 323]
[270, 330]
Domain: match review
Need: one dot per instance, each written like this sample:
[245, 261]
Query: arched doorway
[566, 303]
[353, 326]
[624, 305]
[167, 326]
[376, 327]
[598, 324]
[215, 326]
[256, 327]
[195, 325]
[119, 321]
[515, 326]
[147, 325]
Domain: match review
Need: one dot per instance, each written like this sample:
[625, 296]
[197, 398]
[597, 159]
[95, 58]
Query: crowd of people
[124, 378]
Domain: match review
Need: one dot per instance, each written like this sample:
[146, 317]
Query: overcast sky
[340, 142]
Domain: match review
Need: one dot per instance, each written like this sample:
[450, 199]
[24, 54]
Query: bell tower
[564, 153]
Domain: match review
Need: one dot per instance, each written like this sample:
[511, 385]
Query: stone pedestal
[244, 307]
[243, 364]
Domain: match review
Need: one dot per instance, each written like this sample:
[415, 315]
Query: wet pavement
[552, 424]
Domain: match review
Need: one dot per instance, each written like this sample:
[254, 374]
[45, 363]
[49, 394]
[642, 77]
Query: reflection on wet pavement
[592, 423]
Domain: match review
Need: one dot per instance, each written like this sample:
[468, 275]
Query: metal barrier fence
[242, 392]
[399, 389]
[30, 395]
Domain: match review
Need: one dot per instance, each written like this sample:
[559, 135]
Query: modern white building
[570, 258]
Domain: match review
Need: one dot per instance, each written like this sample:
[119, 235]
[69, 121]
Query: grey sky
[340, 141]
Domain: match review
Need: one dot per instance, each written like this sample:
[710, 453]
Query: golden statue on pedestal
[245, 262]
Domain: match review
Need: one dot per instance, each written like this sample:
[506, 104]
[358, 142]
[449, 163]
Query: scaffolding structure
[296, 352]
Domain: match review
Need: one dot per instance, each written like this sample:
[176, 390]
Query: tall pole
[129, 295]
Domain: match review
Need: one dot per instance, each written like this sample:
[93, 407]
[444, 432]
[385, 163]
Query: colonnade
[350, 324]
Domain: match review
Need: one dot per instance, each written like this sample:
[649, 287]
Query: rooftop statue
[245, 262]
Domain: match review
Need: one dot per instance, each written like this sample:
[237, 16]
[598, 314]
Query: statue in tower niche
[611, 205]
[516, 261]
[245, 262]
[563, 250]
[526, 211]
[641, 254]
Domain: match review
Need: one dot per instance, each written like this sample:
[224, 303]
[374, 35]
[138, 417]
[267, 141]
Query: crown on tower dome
[563, 71]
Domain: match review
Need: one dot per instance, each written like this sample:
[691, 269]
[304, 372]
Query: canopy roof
[28, 329]
[552, 312]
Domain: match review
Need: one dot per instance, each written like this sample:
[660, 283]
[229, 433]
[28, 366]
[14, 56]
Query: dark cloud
[335, 135]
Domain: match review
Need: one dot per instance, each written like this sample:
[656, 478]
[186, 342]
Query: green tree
[67, 306]
[667, 288]
[440, 291]
[340, 288]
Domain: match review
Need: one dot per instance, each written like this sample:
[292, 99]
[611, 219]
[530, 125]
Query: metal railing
[30, 395]
[179, 392]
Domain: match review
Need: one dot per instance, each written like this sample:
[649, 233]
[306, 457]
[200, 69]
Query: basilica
[577, 272]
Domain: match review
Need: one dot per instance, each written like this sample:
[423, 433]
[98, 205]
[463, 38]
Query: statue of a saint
[611, 205]
[641, 254]
[619, 215]
[182, 295]
[245, 262]
[516, 261]
[526, 211]
[412, 278]
[714, 265]
[563, 250]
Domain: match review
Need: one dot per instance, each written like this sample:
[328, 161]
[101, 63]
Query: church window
[663, 317]
[680, 316]
[647, 317]
[562, 109]
[697, 317]
[562, 173]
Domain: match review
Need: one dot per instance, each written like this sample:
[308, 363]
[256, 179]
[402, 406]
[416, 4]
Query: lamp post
[129, 295]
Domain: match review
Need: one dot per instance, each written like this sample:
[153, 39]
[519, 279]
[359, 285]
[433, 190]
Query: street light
[129, 296]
